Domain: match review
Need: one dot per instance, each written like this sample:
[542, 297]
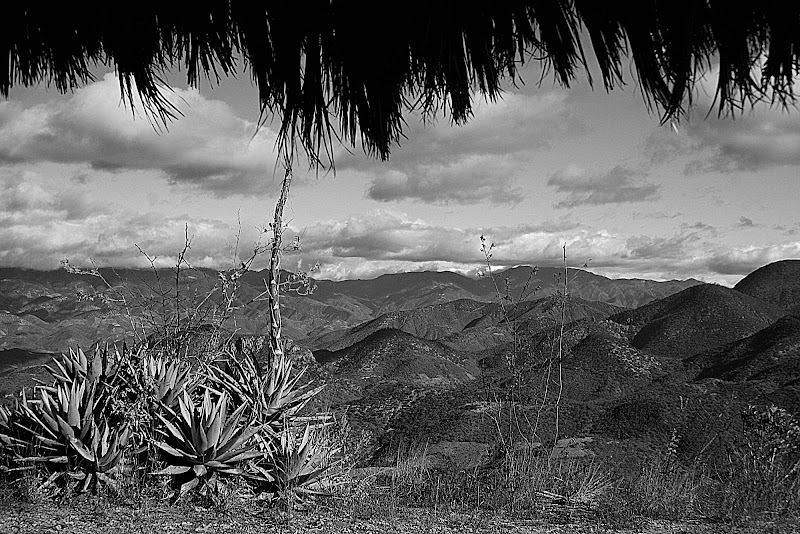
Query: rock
[572, 448]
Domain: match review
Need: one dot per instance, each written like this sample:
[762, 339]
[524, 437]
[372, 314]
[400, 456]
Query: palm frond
[334, 70]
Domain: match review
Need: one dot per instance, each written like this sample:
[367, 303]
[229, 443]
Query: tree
[329, 72]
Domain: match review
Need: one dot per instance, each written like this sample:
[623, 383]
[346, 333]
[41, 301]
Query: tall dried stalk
[273, 280]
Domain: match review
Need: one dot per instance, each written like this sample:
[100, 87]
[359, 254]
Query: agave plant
[9, 436]
[70, 425]
[5, 426]
[62, 412]
[203, 440]
[101, 455]
[165, 379]
[298, 467]
[275, 398]
[69, 368]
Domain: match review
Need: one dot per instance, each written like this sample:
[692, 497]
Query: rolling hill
[697, 319]
[390, 354]
[771, 354]
[428, 322]
[777, 283]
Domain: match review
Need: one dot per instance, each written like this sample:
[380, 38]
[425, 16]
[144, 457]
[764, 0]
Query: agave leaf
[48, 441]
[207, 407]
[189, 486]
[199, 470]
[173, 470]
[114, 449]
[109, 460]
[233, 458]
[295, 464]
[51, 459]
[96, 437]
[197, 437]
[185, 402]
[306, 436]
[123, 437]
[73, 415]
[96, 368]
[215, 429]
[231, 424]
[46, 421]
[263, 474]
[66, 430]
[234, 439]
[176, 432]
[236, 447]
[86, 481]
[311, 475]
[81, 449]
[84, 364]
[171, 450]
[89, 405]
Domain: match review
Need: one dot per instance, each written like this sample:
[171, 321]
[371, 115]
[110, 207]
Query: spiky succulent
[273, 398]
[297, 467]
[74, 366]
[71, 429]
[60, 413]
[201, 440]
[101, 455]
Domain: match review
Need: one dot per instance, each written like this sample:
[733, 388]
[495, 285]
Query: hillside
[391, 354]
[771, 354]
[697, 319]
[777, 283]
[528, 317]
[428, 322]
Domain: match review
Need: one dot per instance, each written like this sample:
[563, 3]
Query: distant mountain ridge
[49, 311]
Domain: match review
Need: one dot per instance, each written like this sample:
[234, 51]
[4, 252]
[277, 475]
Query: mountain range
[49, 311]
[627, 364]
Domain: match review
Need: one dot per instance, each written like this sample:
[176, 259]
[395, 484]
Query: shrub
[764, 465]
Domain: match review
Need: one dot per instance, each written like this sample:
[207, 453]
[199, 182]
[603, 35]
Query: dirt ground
[89, 517]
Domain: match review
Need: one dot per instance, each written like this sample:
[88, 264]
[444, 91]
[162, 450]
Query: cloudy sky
[82, 179]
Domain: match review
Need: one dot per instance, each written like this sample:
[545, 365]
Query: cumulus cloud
[43, 221]
[209, 147]
[471, 180]
[384, 241]
[111, 241]
[387, 236]
[753, 142]
[27, 203]
[657, 247]
[744, 260]
[618, 185]
[474, 163]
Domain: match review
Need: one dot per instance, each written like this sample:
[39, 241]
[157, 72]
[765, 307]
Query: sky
[542, 171]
